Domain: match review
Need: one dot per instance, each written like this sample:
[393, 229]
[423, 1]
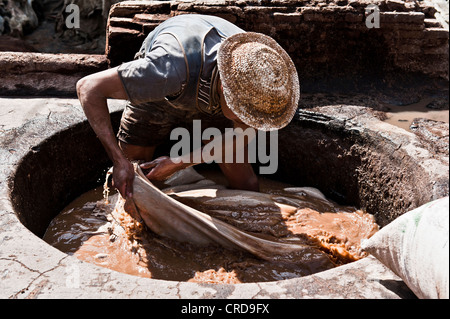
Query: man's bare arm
[93, 92]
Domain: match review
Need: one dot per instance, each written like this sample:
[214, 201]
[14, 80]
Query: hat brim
[235, 93]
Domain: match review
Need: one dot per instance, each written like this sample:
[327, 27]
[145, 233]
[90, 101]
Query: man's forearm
[93, 92]
[96, 109]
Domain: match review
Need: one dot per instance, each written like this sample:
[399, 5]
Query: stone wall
[17, 17]
[324, 38]
[29, 73]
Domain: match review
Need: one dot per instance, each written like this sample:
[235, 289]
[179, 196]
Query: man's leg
[240, 176]
[135, 152]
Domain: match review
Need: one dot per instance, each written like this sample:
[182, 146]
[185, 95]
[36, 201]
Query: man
[190, 67]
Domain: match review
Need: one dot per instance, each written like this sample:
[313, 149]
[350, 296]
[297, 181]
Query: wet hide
[170, 218]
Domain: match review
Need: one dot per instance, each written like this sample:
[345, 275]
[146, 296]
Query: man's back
[178, 58]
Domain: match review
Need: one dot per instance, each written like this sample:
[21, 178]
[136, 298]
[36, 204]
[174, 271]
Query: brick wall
[324, 38]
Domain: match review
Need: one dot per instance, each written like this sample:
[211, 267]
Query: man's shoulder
[192, 24]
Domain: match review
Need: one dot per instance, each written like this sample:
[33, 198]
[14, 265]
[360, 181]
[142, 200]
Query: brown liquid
[90, 230]
[403, 115]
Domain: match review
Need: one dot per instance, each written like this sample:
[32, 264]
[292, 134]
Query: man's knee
[251, 184]
[240, 176]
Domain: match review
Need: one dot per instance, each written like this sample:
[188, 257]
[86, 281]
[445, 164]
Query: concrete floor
[30, 268]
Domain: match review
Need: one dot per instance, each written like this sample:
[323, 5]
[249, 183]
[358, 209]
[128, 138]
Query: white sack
[415, 247]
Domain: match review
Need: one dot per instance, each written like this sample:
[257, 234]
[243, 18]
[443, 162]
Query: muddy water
[403, 115]
[88, 230]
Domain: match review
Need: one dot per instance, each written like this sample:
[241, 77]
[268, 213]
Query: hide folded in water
[170, 218]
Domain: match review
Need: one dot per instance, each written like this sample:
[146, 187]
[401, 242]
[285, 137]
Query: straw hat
[259, 79]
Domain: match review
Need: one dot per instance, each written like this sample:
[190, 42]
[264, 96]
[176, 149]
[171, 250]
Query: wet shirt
[161, 73]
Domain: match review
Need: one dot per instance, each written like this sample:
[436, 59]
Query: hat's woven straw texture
[259, 79]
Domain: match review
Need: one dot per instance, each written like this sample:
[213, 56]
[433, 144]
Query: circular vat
[348, 154]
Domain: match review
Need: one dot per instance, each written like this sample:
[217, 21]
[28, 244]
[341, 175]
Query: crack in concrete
[39, 286]
[20, 263]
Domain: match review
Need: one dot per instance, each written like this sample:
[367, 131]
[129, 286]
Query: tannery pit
[355, 83]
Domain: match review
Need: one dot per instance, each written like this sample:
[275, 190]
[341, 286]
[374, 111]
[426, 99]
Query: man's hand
[123, 177]
[161, 168]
